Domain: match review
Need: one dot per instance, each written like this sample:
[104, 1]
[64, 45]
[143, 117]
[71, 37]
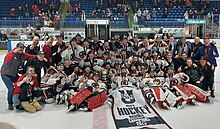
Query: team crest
[127, 96]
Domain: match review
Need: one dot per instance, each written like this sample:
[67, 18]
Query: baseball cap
[60, 64]
[41, 53]
[20, 45]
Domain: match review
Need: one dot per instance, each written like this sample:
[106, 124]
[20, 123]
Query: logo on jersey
[82, 54]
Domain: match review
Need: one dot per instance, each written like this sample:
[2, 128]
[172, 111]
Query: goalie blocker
[92, 100]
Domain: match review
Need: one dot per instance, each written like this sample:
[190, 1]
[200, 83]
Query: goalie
[92, 93]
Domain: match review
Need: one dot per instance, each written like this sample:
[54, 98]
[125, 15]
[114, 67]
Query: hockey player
[88, 60]
[135, 45]
[107, 47]
[135, 60]
[125, 45]
[53, 82]
[188, 91]
[93, 93]
[81, 50]
[151, 85]
[123, 80]
[122, 58]
[99, 62]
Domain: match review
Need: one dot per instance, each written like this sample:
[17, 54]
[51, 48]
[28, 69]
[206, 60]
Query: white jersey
[152, 82]
[81, 52]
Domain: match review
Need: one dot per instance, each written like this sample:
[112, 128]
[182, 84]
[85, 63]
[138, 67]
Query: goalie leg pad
[80, 97]
[199, 93]
[97, 100]
[48, 93]
[159, 96]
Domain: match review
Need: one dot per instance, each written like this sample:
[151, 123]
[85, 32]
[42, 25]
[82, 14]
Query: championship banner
[131, 111]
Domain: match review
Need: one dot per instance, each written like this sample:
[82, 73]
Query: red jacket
[17, 88]
[47, 51]
[12, 62]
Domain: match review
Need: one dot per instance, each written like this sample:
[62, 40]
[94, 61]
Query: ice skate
[208, 100]
[180, 105]
[71, 108]
[165, 106]
[193, 102]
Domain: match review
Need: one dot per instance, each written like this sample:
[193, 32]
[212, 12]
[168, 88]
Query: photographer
[27, 84]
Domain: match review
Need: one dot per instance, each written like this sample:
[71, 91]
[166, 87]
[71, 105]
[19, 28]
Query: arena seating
[88, 7]
[7, 21]
[175, 17]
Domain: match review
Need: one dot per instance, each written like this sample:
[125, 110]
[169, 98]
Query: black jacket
[32, 51]
[38, 65]
[26, 92]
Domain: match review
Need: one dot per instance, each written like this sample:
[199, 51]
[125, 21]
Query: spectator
[20, 12]
[23, 36]
[135, 21]
[186, 15]
[77, 13]
[34, 33]
[139, 13]
[83, 16]
[56, 21]
[93, 15]
[29, 29]
[70, 9]
[3, 36]
[188, 3]
[191, 13]
[160, 30]
[165, 12]
[12, 12]
[153, 14]
[26, 10]
[36, 10]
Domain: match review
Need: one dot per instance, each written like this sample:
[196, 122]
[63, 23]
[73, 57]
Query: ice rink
[204, 116]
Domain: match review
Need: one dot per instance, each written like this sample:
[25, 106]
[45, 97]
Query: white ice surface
[204, 116]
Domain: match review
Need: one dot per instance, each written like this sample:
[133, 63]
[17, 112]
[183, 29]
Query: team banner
[131, 111]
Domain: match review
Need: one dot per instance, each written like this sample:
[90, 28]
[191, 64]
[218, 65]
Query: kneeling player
[92, 94]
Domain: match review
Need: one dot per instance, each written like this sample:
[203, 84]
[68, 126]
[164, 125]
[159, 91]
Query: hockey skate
[150, 98]
[193, 102]
[181, 105]
[71, 107]
[165, 106]
[59, 99]
[208, 100]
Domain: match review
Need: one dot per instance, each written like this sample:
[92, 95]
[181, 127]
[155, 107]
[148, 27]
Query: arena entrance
[197, 27]
[99, 28]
